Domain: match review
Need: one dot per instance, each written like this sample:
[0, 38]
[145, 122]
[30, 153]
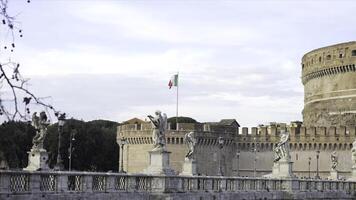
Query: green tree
[94, 147]
[173, 121]
[15, 141]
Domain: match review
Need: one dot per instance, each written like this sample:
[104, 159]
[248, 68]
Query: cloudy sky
[101, 59]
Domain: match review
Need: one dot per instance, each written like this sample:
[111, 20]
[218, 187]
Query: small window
[341, 55]
[320, 59]
[353, 53]
[328, 57]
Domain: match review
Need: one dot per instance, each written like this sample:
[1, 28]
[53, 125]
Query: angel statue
[159, 124]
[40, 123]
[334, 160]
[281, 150]
[190, 141]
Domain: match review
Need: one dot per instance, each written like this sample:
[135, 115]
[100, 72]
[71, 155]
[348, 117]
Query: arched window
[328, 57]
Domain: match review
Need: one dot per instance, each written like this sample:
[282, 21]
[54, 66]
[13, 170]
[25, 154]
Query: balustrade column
[87, 183]
[4, 183]
[35, 183]
[62, 182]
[110, 183]
[222, 186]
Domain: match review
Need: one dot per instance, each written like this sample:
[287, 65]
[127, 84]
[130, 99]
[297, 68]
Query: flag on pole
[173, 81]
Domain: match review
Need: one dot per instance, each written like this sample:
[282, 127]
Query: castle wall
[304, 143]
[329, 79]
[237, 152]
[209, 155]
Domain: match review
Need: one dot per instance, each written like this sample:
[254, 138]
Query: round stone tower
[329, 79]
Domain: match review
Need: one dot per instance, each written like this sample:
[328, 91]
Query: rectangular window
[353, 53]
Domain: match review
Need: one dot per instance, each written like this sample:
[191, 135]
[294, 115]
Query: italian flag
[173, 81]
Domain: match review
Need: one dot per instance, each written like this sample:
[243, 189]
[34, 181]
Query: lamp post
[61, 122]
[255, 156]
[317, 164]
[221, 145]
[71, 140]
[238, 163]
[122, 143]
[309, 166]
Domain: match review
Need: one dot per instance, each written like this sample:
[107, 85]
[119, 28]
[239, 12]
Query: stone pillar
[110, 183]
[62, 181]
[159, 163]
[334, 175]
[87, 183]
[35, 183]
[4, 183]
[189, 167]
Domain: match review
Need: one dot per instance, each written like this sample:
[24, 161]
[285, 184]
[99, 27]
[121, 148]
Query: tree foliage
[94, 147]
[173, 121]
[15, 141]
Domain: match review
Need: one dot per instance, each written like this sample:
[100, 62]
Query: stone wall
[329, 79]
[208, 153]
[238, 153]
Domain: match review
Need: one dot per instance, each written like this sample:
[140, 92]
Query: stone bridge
[88, 185]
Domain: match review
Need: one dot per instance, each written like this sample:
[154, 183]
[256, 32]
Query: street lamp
[122, 143]
[255, 156]
[238, 163]
[317, 164]
[71, 140]
[221, 145]
[309, 166]
[61, 122]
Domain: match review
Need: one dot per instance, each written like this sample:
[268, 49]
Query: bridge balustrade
[19, 182]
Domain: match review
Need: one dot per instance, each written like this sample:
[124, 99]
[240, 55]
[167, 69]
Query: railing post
[131, 183]
[4, 183]
[88, 183]
[62, 182]
[209, 185]
[159, 184]
[222, 186]
[35, 183]
[110, 183]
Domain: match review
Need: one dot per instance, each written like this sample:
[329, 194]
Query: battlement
[181, 127]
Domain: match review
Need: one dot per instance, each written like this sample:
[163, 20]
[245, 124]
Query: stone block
[189, 167]
[159, 163]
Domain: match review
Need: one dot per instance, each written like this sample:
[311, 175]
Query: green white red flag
[173, 81]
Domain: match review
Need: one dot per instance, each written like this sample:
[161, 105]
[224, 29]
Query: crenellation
[245, 131]
[254, 131]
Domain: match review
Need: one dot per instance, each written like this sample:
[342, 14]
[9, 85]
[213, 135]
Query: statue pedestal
[159, 163]
[282, 169]
[37, 160]
[334, 175]
[189, 167]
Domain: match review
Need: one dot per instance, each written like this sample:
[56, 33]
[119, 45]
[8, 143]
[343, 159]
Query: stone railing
[21, 182]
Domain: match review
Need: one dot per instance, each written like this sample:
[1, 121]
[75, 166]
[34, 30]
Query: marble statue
[190, 141]
[334, 160]
[40, 123]
[281, 150]
[353, 154]
[159, 123]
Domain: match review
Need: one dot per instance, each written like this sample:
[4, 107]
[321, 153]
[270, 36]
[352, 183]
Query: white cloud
[140, 24]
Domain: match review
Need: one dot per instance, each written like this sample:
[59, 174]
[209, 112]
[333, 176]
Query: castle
[224, 148]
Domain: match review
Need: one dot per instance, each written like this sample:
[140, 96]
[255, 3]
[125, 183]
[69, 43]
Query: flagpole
[177, 102]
